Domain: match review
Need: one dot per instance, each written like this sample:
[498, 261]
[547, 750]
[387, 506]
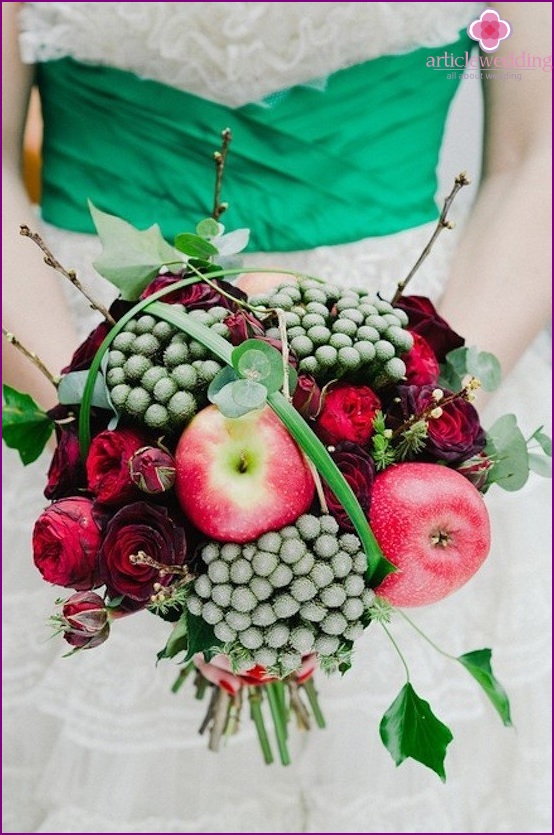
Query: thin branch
[442, 223]
[30, 355]
[71, 275]
[219, 159]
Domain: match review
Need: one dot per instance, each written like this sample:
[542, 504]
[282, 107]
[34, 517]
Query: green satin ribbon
[307, 166]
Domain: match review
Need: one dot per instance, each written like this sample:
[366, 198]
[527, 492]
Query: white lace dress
[96, 743]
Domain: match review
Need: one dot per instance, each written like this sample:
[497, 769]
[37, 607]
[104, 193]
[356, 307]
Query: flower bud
[80, 640]
[152, 470]
[85, 619]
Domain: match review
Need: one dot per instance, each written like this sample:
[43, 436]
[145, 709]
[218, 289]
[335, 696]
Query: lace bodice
[235, 53]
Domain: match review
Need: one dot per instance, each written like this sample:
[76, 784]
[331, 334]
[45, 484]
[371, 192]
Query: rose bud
[358, 469]
[476, 470]
[307, 397]
[152, 470]
[66, 541]
[107, 465]
[86, 619]
[81, 640]
[243, 325]
[347, 414]
[66, 472]
[424, 320]
[422, 367]
[141, 543]
[455, 434]
[195, 296]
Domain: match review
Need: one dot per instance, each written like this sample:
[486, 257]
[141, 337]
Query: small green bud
[285, 606]
[270, 542]
[263, 615]
[156, 416]
[334, 623]
[277, 635]
[164, 390]
[211, 613]
[303, 589]
[136, 366]
[326, 545]
[243, 600]
[326, 645]
[194, 605]
[333, 596]
[218, 571]
[251, 638]
[221, 594]
[241, 571]
[203, 586]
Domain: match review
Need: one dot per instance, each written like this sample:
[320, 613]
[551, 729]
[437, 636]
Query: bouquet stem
[311, 693]
[255, 699]
[275, 695]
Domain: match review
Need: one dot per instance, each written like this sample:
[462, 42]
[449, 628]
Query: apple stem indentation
[441, 538]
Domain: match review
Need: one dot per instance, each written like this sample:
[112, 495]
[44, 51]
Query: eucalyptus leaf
[540, 464]
[249, 394]
[258, 361]
[233, 406]
[71, 388]
[485, 367]
[478, 663]
[194, 246]
[209, 228]
[544, 441]
[507, 448]
[409, 728]
[225, 376]
[201, 637]
[25, 426]
[232, 243]
[131, 258]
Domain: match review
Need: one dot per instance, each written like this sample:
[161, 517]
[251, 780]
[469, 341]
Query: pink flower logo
[489, 30]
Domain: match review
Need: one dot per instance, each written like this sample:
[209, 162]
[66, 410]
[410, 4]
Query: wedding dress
[96, 742]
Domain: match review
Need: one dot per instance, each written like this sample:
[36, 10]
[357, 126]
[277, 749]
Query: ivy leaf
[507, 448]
[409, 728]
[201, 638]
[478, 663]
[131, 258]
[25, 426]
[194, 246]
[177, 641]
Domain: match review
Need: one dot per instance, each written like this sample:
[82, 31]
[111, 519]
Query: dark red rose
[139, 534]
[455, 434]
[195, 296]
[83, 356]
[66, 541]
[243, 325]
[307, 397]
[424, 319]
[86, 620]
[359, 471]
[66, 473]
[422, 367]
[347, 414]
[152, 470]
[107, 465]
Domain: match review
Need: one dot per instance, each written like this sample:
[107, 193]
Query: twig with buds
[442, 223]
[71, 275]
[30, 355]
[141, 558]
[219, 159]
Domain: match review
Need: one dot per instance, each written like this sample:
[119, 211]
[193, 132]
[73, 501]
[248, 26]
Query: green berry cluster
[339, 333]
[297, 590]
[158, 375]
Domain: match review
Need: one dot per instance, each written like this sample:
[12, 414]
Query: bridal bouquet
[272, 473]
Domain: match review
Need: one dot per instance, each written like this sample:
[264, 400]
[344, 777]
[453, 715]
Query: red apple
[238, 478]
[257, 283]
[432, 523]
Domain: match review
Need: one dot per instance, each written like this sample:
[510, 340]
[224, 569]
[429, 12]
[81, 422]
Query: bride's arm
[34, 308]
[499, 292]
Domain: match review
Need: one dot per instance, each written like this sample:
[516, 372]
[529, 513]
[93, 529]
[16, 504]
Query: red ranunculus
[422, 366]
[243, 325]
[140, 527]
[424, 319]
[455, 435]
[347, 414]
[195, 296]
[66, 541]
[358, 469]
[107, 465]
[307, 397]
[66, 473]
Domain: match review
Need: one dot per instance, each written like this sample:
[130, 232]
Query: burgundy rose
[66, 473]
[424, 319]
[195, 296]
[152, 470]
[66, 541]
[243, 325]
[86, 619]
[140, 540]
[454, 434]
[107, 465]
[84, 354]
[358, 469]
[422, 367]
[347, 414]
[307, 397]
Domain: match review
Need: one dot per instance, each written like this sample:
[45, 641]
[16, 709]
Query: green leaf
[258, 361]
[224, 377]
[194, 246]
[232, 243]
[25, 426]
[177, 641]
[478, 663]
[507, 448]
[409, 728]
[544, 441]
[485, 367]
[540, 465]
[237, 399]
[201, 637]
[131, 258]
[72, 386]
[209, 228]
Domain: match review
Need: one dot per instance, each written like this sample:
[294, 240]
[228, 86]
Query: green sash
[307, 166]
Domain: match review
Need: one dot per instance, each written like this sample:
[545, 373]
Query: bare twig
[71, 275]
[219, 159]
[442, 223]
[30, 355]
